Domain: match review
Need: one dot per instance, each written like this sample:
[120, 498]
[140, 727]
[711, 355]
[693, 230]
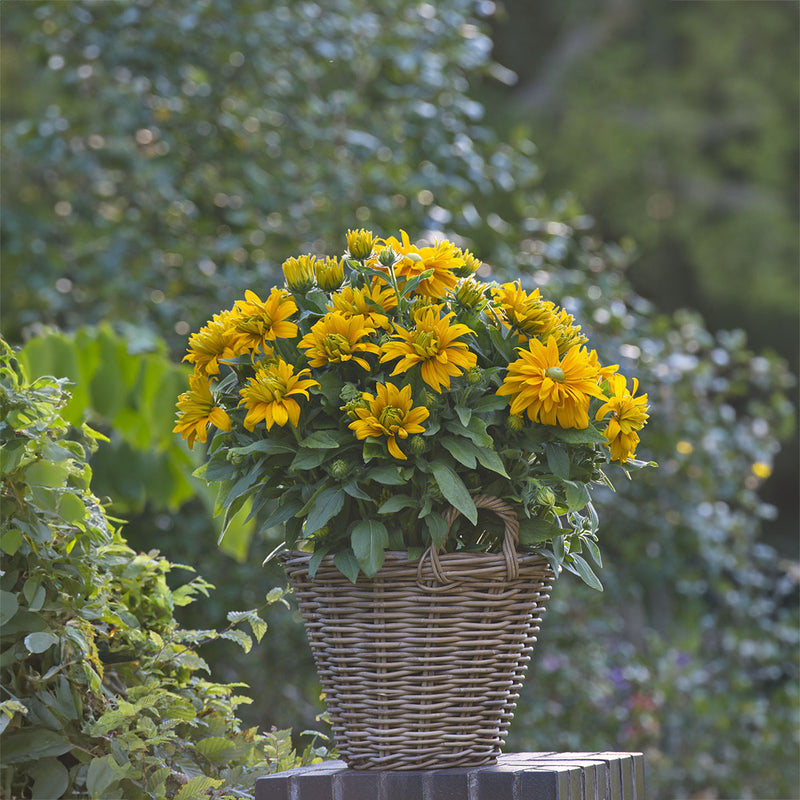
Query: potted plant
[428, 442]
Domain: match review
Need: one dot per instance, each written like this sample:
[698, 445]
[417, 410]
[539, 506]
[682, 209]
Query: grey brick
[446, 784]
[545, 783]
[403, 785]
[493, 783]
[356, 785]
[272, 787]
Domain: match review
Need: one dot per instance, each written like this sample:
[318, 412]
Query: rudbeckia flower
[197, 410]
[336, 338]
[628, 415]
[553, 390]
[256, 321]
[444, 258]
[210, 344]
[389, 413]
[431, 344]
[268, 395]
[369, 301]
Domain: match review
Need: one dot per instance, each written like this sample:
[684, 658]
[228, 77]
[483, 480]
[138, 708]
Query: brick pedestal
[516, 776]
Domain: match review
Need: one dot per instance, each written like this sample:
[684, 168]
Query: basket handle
[510, 537]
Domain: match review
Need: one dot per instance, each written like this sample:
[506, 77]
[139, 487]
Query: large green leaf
[369, 540]
[32, 743]
[326, 505]
[454, 491]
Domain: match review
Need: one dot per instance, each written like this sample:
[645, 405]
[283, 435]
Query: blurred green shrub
[103, 692]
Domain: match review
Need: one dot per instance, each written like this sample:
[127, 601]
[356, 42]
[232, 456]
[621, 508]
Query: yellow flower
[268, 395]
[368, 301]
[527, 312]
[443, 258]
[360, 244]
[432, 345]
[300, 273]
[391, 414]
[337, 338]
[553, 390]
[471, 264]
[470, 294]
[628, 415]
[330, 274]
[197, 410]
[255, 321]
[210, 344]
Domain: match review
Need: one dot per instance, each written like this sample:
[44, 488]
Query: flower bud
[360, 244]
[474, 375]
[339, 469]
[299, 273]
[514, 422]
[470, 294]
[330, 274]
[387, 257]
[352, 405]
[545, 496]
[349, 392]
[471, 265]
[416, 445]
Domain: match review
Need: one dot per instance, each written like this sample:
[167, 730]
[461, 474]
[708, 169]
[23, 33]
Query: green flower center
[336, 345]
[556, 373]
[392, 418]
[426, 344]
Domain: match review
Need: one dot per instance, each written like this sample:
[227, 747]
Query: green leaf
[197, 788]
[308, 459]
[267, 446]
[491, 402]
[39, 642]
[346, 562]
[216, 749]
[240, 637]
[281, 514]
[437, 527]
[585, 571]
[71, 508]
[32, 743]
[8, 606]
[102, 775]
[533, 531]
[491, 460]
[369, 540]
[388, 476]
[10, 541]
[557, 460]
[454, 491]
[316, 560]
[462, 450]
[50, 778]
[588, 435]
[354, 490]
[321, 440]
[594, 550]
[464, 414]
[397, 503]
[326, 505]
[577, 495]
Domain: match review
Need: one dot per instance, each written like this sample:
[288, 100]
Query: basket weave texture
[422, 663]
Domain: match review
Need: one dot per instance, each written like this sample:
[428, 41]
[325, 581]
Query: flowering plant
[377, 388]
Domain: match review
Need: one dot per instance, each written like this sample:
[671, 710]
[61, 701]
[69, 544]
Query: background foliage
[103, 691]
[155, 176]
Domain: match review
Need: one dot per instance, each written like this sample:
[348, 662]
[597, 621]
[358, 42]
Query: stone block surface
[516, 776]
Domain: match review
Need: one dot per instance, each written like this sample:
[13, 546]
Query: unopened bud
[360, 244]
[330, 274]
[474, 375]
[339, 468]
[546, 497]
[514, 422]
[416, 445]
[387, 257]
[299, 273]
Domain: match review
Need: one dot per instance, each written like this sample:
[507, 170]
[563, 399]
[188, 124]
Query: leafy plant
[389, 383]
[103, 691]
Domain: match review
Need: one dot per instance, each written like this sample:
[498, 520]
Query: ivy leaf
[369, 540]
[454, 491]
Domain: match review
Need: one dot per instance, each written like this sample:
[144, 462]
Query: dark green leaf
[454, 491]
[536, 530]
[397, 503]
[308, 459]
[462, 450]
[490, 402]
[346, 562]
[491, 460]
[321, 440]
[326, 505]
[464, 414]
[388, 476]
[437, 527]
[577, 495]
[369, 540]
[557, 460]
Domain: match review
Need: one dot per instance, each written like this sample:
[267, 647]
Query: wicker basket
[422, 664]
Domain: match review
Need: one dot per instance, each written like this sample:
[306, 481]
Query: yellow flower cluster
[390, 308]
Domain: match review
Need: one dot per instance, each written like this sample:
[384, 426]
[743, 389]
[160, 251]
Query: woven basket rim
[402, 556]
